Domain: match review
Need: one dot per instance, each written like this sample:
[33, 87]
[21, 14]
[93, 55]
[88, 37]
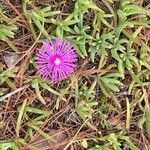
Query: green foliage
[122, 50]
[115, 46]
[38, 17]
[40, 82]
[144, 57]
[84, 144]
[101, 44]
[101, 17]
[6, 145]
[127, 9]
[128, 60]
[33, 124]
[109, 83]
[63, 25]
[82, 7]
[86, 101]
[113, 142]
[81, 37]
[7, 29]
[99, 147]
[7, 75]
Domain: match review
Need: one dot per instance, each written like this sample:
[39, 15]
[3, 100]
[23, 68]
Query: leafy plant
[64, 25]
[6, 145]
[39, 82]
[101, 17]
[81, 37]
[118, 45]
[82, 7]
[113, 141]
[127, 9]
[39, 17]
[99, 147]
[7, 29]
[144, 57]
[128, 60]
[86, 101]
[109, 83]
[106, 98]
[33, 123]
[100, 44]
[6, 75]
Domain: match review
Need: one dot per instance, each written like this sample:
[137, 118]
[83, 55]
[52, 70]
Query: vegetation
[105, 104]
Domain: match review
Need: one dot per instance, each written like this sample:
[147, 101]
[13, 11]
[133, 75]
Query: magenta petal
[56, 60]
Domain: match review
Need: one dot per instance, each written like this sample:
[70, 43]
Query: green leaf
[38, 93]
[36, 110]
[84, 143]
[5, 145]
[45, 86]
[19, 120]
[40, 26]
[53, 13]
[110, 83]
[7, 31]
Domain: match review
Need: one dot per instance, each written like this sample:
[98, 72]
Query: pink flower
[56, 60]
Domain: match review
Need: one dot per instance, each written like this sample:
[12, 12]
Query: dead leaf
[10, 59]
[115, 121]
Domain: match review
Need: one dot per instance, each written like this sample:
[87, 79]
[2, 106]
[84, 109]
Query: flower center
[57, 61]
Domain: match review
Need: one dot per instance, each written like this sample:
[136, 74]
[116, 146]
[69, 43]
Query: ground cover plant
[99, 99]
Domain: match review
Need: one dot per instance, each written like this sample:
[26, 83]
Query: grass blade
[19, 120]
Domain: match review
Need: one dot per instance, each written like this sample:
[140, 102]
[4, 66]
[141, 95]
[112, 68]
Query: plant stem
[24, 8]
[11, 45]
